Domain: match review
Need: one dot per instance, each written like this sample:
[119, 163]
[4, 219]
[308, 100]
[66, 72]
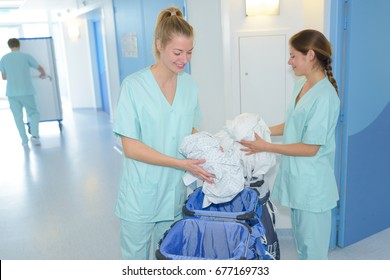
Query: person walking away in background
[157, 108]
[306, 180]
[15, 68]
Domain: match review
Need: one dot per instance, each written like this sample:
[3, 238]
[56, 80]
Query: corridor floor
[57, 200]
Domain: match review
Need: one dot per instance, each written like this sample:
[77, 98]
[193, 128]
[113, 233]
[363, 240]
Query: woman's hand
[256, 146]
[193, 166]
[294, 149]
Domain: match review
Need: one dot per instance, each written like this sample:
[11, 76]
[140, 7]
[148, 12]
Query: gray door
[262, 62]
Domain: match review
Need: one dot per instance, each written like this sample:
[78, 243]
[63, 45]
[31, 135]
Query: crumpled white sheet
[225, 165]
[244, 127]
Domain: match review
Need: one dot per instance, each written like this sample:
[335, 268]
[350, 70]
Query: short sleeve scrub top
[308, 183]
[16, 65]
[151, 193]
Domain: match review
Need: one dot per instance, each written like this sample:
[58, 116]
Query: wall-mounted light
[73, 30]
[261, 7]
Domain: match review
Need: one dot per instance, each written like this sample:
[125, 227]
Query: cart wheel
[60, 125]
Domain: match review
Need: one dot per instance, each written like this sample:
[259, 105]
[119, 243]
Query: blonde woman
[158, 107]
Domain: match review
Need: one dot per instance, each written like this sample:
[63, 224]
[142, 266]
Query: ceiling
[41, 4]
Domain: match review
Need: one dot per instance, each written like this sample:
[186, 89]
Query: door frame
[337, 37]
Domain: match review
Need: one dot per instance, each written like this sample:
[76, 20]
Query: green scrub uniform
[308, 183]
[150, 193]
[20, 90]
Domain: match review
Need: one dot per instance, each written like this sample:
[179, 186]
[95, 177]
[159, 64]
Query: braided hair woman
[306, 181]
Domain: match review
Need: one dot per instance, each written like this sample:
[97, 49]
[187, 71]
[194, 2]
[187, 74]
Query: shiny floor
[57, 200]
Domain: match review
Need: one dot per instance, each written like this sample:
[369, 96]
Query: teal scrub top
[16, 66]
[309, 183]
[151, 193]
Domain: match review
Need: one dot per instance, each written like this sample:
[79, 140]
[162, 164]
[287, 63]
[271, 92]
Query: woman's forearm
[139, 151]
[297, 149]
[277, 130]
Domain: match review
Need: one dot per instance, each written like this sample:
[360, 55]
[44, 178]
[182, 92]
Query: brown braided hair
[310, 39]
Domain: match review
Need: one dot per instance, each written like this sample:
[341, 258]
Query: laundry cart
[268, 220]
[47, 90]
[245, 207]
[196, 239]
[267, 216]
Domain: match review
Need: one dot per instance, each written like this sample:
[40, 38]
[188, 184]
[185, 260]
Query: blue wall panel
[138, 16]
[365, 162]
[128, 19]
[369, 177]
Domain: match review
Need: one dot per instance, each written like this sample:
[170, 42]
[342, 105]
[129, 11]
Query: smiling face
[299, 62]
[176, 54]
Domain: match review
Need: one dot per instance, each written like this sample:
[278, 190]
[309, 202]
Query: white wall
[14, 17]
[82, 89]
[79, 66]
[111, 59]
[218, 24]
[207, 61]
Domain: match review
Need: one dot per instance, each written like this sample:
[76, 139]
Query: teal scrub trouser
[16, 104]
[312, 233]
[136, 238]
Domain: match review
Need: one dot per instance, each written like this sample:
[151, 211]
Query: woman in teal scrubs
[306, 181]
[157, 108]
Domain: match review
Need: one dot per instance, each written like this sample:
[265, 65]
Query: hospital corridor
[57, 199]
